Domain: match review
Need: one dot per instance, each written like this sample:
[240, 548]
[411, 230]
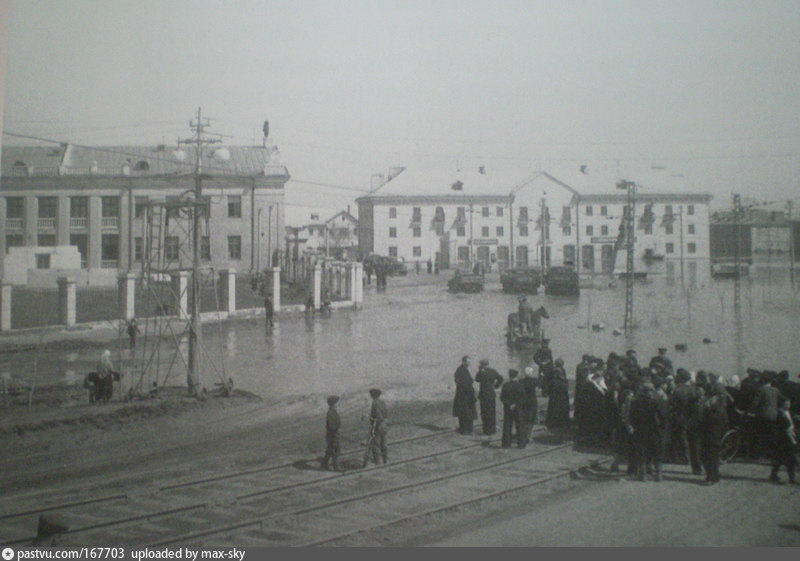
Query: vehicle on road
[561, 280]
[465, 282]
[521, 279]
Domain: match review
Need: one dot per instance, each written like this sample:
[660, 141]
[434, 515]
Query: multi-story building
[535, 219]
[335, 237]
[96, 199]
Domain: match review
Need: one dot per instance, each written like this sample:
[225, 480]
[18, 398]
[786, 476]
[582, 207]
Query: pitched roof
[441, 182]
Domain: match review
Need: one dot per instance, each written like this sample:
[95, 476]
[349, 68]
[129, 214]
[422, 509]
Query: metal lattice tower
[630, 209]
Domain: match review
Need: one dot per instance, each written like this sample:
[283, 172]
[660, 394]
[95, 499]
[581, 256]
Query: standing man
[430, 266]
[464, 400]
[269, 309]
[332, 424]
[684, 421]
[105, 375]
[765, 407]
[513, 398]
[488, 381]
[661, 360]
[647, 419]
[544, 358]
[378, 426]
[133, 331]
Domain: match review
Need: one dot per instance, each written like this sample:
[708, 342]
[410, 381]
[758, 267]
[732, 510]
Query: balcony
[108, 264]
[78, 223]
[46, 224]
[15, 224]
[109, 222]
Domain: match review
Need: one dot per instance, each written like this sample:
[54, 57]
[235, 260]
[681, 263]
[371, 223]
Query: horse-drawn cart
[525, 333]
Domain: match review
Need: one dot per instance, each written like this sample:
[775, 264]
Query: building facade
[97, 200]
[534, 220]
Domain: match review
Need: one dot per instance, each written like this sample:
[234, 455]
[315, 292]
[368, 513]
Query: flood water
[409, 339]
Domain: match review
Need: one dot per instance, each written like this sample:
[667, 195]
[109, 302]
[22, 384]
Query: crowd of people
[648, 414]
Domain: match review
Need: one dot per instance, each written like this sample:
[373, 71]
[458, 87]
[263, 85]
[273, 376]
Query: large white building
[504, 219]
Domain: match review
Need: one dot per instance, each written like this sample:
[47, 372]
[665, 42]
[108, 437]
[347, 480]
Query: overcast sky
[708, 89]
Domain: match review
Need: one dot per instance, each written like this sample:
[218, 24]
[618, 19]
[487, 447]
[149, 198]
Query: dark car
[521, 279]
[393, 266]
[561, 280]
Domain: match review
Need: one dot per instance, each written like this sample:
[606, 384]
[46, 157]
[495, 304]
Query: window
[566, 215]
[668, 210]
[463, 254]
[392, 212]
[648, 228]
[523, 230]
[15, 207]
[138, 248]
[603, 230]
[691, 247]
[668, 228]
[416, 231]
[42, 260]
[171, 249]
[461, 231]
[485, 211]
[48, 207]
[691, 228]
[205, 248]
[46, 240]
[79, 207]
[499, 231]
[569, 254]
[140, 207]
[590, 230]
[234, 209]
[461, 213]
[499, 211]
[417, 251]
[109, 247]
[141, 165]
[416, 214]
[589, 211]
[604, 210]
[392, 251]
[690, 210]
[670, 247]
[110, 207]
[173, 209]
[235, 247]
[566, 230]
[14, 240]
[523, 213]
[392, 232]
[485, 231]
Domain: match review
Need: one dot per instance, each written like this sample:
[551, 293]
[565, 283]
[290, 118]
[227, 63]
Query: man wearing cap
[630, 357]
[765, 407]
[332, 424]
[661, 360]
[513, 398]
[684, 421]
[488, 381]
[464, 400]
[378, 426]
[544, 358]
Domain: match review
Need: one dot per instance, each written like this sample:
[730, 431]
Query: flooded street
[409, 339]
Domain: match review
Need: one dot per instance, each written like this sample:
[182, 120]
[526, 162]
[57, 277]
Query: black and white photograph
[398, 274]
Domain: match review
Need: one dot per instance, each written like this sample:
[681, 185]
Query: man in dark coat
[488, 381]
[378, 427]
[332, 424]
[464, 400]
[558, 402]
[544, 359]
[269, 309]
[765, 407]
[661, 361]
[713, 424]
[683, 409]
[784, 445]
[647, 418]
[513, 398]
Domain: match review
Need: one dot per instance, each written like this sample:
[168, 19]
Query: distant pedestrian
[558, 402]
[332, 424]
[133, 331]
[464, 400]
[713, 424]
[416, 267]
[310, 306]
[105, 376]
[529, 384]
[488, 381]
[269, 309]
[378, 427]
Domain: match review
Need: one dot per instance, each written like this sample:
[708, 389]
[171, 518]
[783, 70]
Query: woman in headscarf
[558, 402]
[105, 373]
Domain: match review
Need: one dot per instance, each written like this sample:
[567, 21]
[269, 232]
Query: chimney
[394, 172]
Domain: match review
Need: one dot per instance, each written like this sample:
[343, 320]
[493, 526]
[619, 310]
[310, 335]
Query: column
[5, 306]
[62, 221]
[95, 229]
[316, 286]
[227, 289]
[276, 288]
[66, 301]
[348, 281]
[358, 269]
[31, 224]
[180, 293]
[126, 294]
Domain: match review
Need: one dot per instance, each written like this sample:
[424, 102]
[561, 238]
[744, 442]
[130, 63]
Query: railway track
[293, 504]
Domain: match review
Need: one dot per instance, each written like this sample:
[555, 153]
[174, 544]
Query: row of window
[79, 206]
[461, 231]
[172, 248]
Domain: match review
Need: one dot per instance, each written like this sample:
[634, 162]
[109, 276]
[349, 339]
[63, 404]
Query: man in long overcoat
[464, 400]
[488, 381]
[648, 417]
[513, 397]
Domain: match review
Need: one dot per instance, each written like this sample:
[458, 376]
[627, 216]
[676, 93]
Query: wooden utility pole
[195, 331]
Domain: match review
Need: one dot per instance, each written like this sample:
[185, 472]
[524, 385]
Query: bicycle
[732, 440]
